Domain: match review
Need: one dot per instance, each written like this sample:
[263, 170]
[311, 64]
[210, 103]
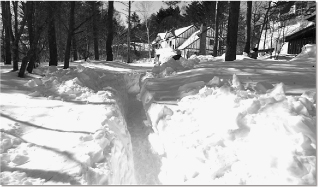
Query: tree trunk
[7, 26]
[2, 44]
[247, 47]
[18, 31]
[128, 36]
[216, 38]
[109, 41]
[52, 34]
[95, 31]
[149, 48]
[265, 36]
[232, 30]
[203, 32]
[15, 41]
[30, 12]
[265, 21]
[74, 48]
[69, 36]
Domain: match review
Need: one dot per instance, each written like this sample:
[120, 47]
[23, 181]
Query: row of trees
[63, 31]
[54, 30]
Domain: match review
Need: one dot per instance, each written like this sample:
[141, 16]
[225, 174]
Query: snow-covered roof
[181, 30]
[178, 31]
[190, 40]
[162, 35]
[288, 30]
[299, 28]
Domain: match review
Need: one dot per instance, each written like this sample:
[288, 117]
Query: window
[211, 42]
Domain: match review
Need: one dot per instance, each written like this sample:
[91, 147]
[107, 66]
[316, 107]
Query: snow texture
[105, 155]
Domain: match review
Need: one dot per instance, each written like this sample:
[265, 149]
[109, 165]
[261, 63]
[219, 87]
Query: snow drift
[308, 54]
[225, 134]
[105, 156]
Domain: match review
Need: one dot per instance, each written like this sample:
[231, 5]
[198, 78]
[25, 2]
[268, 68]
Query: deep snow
[84, 127]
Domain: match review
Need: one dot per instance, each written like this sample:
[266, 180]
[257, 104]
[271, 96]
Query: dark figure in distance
[177, 56]
[254, 53]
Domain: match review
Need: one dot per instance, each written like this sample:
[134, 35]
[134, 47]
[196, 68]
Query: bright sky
[155, 7]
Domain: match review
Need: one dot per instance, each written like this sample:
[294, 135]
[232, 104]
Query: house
[306, 35]
[185, 39]
[159, 42]
[192, 44]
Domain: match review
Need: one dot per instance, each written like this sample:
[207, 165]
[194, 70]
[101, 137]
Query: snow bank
[106, 156]
[165, 54]
[308, 54]
[227, 135]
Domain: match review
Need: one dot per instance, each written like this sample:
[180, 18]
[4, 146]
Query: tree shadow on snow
[40, 127]
[44, 174]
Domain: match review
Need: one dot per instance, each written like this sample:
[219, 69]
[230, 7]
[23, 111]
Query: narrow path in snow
[147, 164]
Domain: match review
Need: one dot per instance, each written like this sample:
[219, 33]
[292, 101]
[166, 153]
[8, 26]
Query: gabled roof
[160, 36]
[178, 31]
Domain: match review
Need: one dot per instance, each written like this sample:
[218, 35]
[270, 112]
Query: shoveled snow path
[147, 164]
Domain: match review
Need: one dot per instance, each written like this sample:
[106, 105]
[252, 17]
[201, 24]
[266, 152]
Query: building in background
[186, 39]
[306, 35]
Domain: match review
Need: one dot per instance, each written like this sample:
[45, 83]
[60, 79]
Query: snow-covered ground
[255, 127]
[84, 126]
[68, 127]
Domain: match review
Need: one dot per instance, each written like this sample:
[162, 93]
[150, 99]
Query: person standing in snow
[254, 53]
[178, 55]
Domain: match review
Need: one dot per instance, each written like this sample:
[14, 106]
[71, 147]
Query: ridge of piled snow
[227, 135]
[105, 156]
[307, 55]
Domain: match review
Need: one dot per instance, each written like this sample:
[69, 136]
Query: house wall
[194, 48]
[174, 43]
[294, 46]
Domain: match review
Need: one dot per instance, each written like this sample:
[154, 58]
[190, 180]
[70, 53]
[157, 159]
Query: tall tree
[6, 18]
[74, 44]
[232, 30]
[145, 7]
[95, 28]
[248, 27]
[203, 34]
[216, 36]
[17, 32]
[128, 36]
[30, 15]
[109, 41]
[37, 20]
[51, 5]
[69, 35]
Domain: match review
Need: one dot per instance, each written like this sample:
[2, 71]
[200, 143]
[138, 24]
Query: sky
[155, 7]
